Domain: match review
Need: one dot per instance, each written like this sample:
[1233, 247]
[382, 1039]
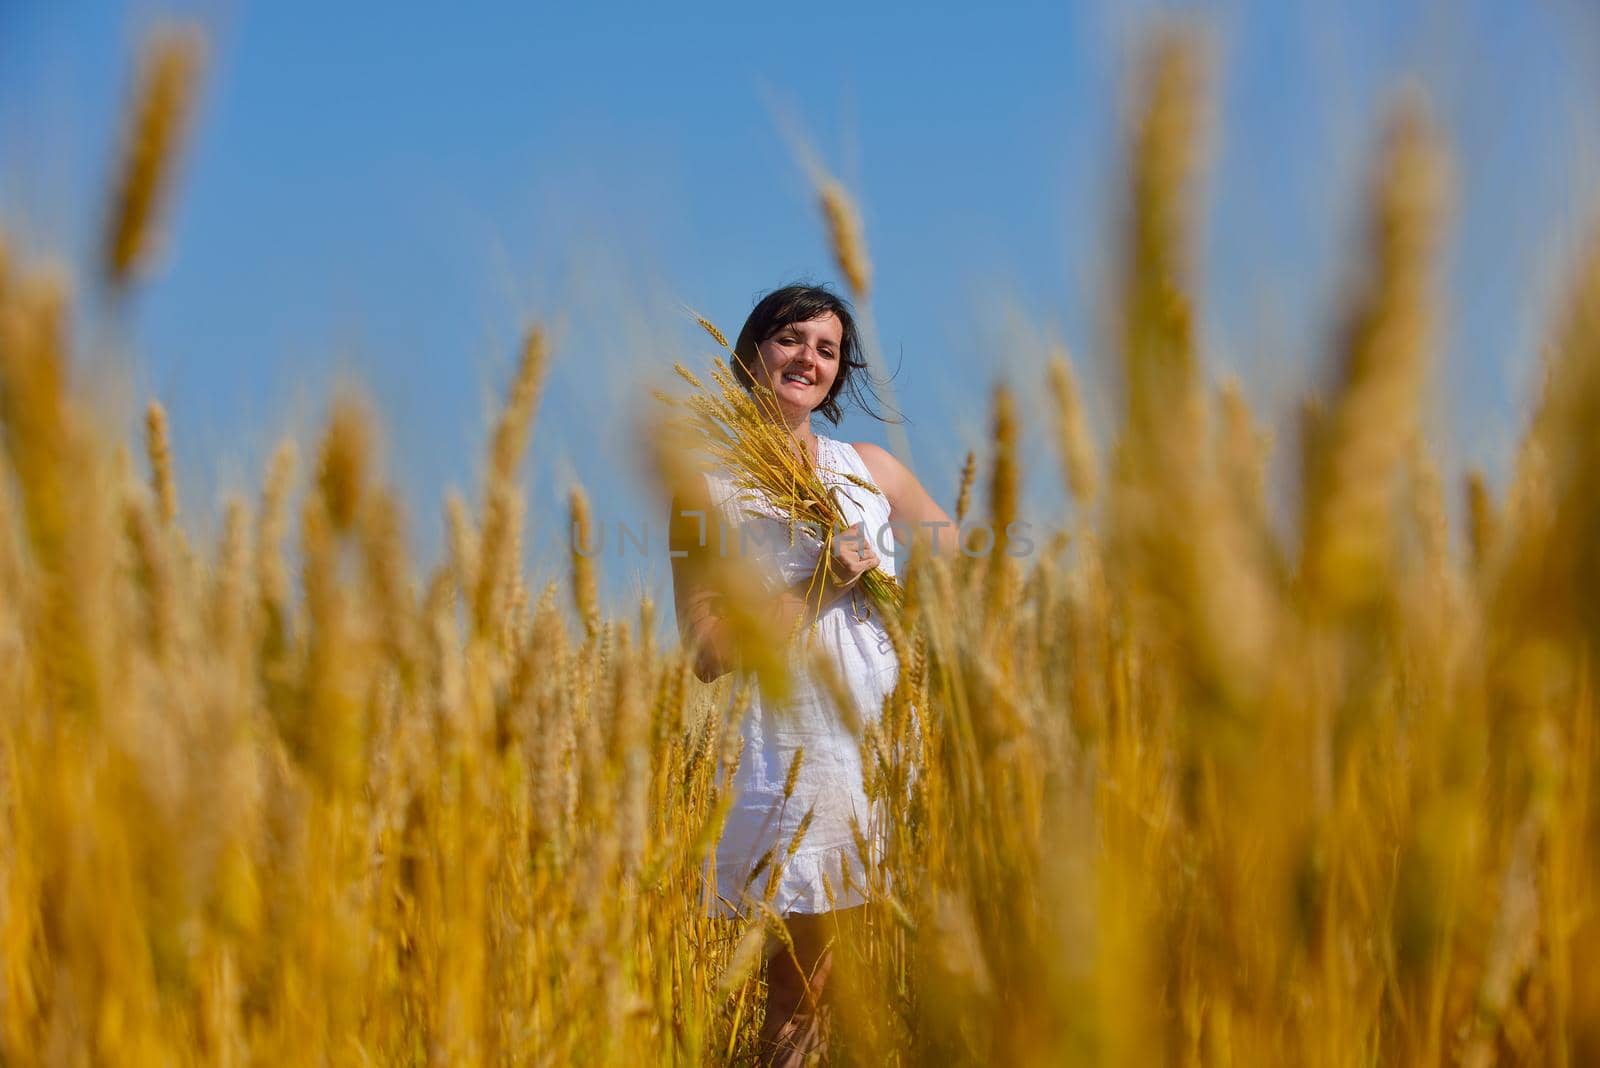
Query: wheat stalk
[163, 103]
[159, 448]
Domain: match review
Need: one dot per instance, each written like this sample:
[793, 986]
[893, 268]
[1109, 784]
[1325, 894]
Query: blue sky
[386, 193]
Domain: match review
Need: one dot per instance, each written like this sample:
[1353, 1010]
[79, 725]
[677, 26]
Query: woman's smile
[801, 380]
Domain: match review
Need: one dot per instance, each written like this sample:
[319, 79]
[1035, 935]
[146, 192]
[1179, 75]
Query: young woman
[802, 341]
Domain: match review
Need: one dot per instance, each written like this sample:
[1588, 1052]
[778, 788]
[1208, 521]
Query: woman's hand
[851, 556]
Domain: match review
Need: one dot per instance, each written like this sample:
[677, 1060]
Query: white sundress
[830, 779]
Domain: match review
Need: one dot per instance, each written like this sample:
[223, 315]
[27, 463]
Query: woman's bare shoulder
[908, 499]
[888, 472]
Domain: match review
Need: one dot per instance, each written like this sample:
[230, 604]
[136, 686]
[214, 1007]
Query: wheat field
[1177, 788]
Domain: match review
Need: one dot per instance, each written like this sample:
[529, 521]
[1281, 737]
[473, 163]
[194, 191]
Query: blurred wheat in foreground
[1175, 791]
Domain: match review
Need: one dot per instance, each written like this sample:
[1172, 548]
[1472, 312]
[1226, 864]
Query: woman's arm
[703, 582]
[910, 506]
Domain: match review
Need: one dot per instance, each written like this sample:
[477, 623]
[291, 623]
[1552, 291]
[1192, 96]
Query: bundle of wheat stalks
[1180, 789]
[740, 433]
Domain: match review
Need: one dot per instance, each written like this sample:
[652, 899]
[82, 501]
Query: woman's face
[801, 361]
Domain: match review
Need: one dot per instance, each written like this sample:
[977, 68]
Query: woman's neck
[804, 436]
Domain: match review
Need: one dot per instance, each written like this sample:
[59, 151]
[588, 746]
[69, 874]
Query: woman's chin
[796, 400]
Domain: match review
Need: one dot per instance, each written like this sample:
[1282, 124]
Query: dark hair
[799, 303]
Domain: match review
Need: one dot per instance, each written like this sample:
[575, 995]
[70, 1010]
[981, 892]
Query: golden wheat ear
[163, 102]
[1383, 360]
[1073, 441]
[711, 328]
[861, 483]
[969, 474]
[585, 584]
[846, 236]
[500, 565]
